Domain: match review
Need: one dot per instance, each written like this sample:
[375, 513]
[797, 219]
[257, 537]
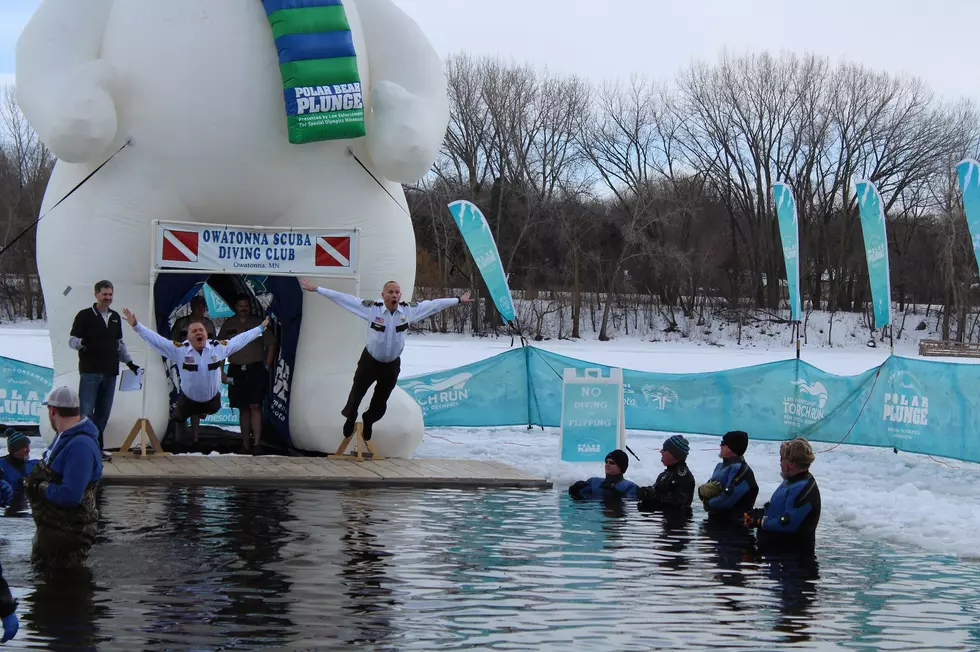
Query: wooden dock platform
[325, 472]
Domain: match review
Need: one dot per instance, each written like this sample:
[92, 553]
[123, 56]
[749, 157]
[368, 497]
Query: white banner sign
[255, 250]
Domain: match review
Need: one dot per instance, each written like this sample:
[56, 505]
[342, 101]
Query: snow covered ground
[904, 499]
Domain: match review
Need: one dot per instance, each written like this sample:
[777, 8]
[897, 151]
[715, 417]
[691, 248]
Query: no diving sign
[592, 415]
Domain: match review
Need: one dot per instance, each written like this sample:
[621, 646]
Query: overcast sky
[933, 39]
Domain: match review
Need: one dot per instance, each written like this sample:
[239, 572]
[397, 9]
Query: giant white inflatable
[197, 88]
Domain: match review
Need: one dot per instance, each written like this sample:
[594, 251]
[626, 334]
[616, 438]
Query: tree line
[619, 193]
[609, 191]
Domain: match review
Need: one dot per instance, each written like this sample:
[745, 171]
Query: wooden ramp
[327, 472]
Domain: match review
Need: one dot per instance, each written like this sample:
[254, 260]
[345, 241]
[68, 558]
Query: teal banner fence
[872, 211]
[23, 387]
[912, 405]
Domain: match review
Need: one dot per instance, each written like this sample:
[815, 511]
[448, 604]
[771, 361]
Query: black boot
[366, 431]
[348, 428]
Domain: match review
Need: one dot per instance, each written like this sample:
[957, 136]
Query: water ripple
[194, 568]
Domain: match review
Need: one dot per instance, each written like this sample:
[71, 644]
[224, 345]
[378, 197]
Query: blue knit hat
[16, 440]
[678, 447]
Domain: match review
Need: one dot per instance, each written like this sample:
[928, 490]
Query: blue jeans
[95, 393]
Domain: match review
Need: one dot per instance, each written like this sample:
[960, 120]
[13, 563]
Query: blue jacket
[13, 472]
[739, 489]
[77, 457]
[792, 514]
[596, 488]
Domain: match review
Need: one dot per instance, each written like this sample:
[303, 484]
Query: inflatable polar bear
[195, 85]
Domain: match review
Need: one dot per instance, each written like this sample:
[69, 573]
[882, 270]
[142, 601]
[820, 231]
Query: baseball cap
[63, 396]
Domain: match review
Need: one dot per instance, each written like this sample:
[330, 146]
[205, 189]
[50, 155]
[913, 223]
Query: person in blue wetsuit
[732, 490]
[610, 487]
[14, 468]
[790, 517]
[8, 611]
[16, 465]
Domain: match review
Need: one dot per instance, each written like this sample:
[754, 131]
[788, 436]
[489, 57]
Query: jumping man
[380, 362]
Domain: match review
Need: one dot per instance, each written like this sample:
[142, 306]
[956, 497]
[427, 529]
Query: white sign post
[593, 419]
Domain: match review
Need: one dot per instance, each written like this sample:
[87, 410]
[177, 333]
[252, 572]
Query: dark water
[193, 568]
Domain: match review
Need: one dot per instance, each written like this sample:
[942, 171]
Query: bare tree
[25, 165]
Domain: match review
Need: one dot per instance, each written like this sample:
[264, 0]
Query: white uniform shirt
[386, 329]
[200, 373]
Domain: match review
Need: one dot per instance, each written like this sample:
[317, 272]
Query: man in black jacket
[674, 488]
[97, 336]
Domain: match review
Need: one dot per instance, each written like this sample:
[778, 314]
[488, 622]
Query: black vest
[100, 355]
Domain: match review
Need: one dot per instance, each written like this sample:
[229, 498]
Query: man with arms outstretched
[380, 362]
[201, 361]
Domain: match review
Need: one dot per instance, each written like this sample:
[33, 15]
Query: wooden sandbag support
[361, 445]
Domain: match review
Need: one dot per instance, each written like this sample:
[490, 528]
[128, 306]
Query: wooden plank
[315, 471]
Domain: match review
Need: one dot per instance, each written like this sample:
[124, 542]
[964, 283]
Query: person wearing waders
[62, 487]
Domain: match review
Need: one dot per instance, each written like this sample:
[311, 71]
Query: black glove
[753, 518]
[644, 493]
[133, 367]
[36, 490]
[575, 491]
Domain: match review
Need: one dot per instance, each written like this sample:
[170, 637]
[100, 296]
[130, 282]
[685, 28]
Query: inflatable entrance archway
[185, 254]
[285, 308]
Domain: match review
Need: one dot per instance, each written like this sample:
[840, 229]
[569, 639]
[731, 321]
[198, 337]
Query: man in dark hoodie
[732, 490]
[789, 520]
[61, 488]
[612, 486]
[674, 488]
[8, 611]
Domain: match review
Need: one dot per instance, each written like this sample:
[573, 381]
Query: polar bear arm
[62, 34]
[409, 104]
[58, 70]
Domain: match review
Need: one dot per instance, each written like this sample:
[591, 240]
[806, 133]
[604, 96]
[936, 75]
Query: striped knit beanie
[16, 441]
[677, 446]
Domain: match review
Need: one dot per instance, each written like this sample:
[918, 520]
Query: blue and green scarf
[321, 85]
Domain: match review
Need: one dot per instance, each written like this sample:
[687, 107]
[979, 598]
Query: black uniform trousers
[369, 371]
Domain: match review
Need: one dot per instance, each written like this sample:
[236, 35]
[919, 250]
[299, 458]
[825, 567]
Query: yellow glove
[709, 490]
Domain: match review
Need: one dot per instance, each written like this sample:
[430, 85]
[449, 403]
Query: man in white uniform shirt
[201, 362]
[380, 361]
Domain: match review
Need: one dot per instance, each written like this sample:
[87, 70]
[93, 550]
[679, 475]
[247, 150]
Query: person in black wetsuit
[674, 489]
[790, 518]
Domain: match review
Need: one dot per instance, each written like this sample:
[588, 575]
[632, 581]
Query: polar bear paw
[80, 120]
[399, 149]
